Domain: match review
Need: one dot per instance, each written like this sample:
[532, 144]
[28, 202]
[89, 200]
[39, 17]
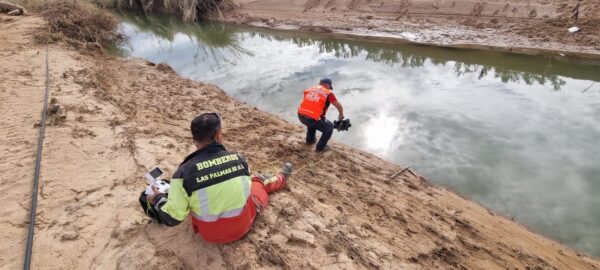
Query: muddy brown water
[519, 134]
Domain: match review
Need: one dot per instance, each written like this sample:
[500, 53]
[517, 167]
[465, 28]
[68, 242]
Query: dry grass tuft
[189, 10]
[83, 25]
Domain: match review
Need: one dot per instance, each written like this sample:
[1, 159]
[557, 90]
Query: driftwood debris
[12, 9]
[407, 168]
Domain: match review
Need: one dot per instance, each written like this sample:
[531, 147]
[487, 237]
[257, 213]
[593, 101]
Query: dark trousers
[323, 125]
[147, 207]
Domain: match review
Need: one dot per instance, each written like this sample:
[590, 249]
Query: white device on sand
[153, 179]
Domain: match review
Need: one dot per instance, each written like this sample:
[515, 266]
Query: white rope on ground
[311, 164]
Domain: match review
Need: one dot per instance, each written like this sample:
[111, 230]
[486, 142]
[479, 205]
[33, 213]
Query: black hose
[36, 174]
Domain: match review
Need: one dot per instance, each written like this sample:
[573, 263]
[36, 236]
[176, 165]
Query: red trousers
[226, 230]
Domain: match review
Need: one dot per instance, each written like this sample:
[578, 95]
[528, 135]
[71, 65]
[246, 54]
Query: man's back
[211, 183]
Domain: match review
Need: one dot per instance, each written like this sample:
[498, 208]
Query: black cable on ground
[36, 174]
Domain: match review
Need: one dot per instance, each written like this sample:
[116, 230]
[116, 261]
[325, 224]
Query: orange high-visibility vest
[313, 104]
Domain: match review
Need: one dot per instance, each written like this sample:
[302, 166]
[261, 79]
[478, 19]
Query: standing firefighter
[214, 186]
[312, 112]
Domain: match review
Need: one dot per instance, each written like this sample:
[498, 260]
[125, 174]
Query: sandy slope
[341, 210]
[517, 25]
[21, 94]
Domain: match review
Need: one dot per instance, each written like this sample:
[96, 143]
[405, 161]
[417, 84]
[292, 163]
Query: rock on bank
[341, 210]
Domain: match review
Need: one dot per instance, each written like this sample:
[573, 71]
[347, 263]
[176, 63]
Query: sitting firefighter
[214, 186]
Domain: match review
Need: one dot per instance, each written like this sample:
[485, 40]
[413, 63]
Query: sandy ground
[528, 26]
[112, 119]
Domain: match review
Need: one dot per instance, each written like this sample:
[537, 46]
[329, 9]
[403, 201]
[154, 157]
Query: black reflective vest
[209, 166]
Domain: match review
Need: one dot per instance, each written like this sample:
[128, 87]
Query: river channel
[518, 134]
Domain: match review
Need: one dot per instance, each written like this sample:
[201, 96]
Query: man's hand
[150, 198]
[341, 117]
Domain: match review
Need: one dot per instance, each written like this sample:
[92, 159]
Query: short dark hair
[205, 126]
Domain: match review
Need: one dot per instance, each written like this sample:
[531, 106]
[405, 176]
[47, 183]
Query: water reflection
[209, 40]
[213, 39]
[491, 125]
[414, 56]
[377, 132]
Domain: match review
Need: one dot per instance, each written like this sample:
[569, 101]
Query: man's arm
[340, 109]
[173, 209]
[164, 217]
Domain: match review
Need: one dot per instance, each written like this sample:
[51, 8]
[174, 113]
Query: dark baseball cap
[327, 81]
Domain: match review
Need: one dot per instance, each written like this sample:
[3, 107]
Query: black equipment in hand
[342, 125]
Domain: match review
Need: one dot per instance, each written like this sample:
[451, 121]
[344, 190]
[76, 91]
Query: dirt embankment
[112, 119]
[527, 26]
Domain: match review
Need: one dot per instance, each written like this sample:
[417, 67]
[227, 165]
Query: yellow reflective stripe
[305, 110]
[213, 218]
[203, 200]
[177, 205]
[226, 198]
[272, 179]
